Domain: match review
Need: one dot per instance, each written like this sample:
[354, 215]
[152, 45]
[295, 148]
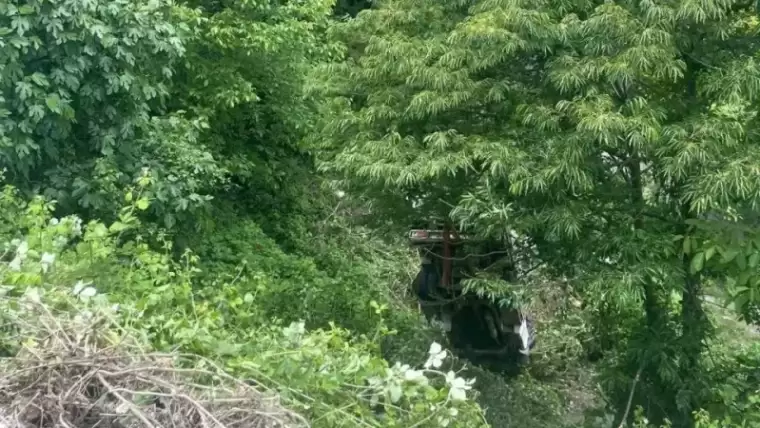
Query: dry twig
[79, 375]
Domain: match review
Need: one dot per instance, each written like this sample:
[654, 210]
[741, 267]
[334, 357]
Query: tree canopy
[602, 131]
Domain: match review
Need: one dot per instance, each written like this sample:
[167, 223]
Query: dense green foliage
[236, 175]
[600, 131]
[332, 377]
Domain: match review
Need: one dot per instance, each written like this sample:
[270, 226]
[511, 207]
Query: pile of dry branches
[79, 370]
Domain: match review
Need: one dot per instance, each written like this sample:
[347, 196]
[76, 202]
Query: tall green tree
[84, 87]
[603, 131]
[207, 95]
[244, 73]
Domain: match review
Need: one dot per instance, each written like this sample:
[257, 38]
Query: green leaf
[99, 230]
[170, 220]
[754, 258]
[741, 261]
[697, 262]
[26, 10]
[741, 300]
[40, 79]
[117, 227]
[709, 253]
[728, 255]
[53, 103]
[686, 245]
[743, 278]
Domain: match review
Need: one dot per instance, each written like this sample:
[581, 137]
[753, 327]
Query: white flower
[458, 387]
[88, 292]
[33, 294]
[76, 225]
[417, 376]
[395, 392]
[21, 250]
[83, 291]
[457, 394]
[78, 287]
[294, 331]
[436, 355]
[15, 264]
[60, 241]
[46, 261]
[299, 327]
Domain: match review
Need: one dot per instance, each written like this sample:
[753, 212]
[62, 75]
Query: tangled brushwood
[79, 369]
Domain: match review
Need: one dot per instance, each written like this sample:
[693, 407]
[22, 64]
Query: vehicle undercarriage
[478, 328]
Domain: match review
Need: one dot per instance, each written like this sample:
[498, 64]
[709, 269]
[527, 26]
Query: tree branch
[630, 396]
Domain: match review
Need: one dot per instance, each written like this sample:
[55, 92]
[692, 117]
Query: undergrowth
[330, 376]
[329, 340]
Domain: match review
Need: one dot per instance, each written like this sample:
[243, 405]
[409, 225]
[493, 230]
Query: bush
[330, 376]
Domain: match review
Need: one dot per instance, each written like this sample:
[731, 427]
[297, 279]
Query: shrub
[330, 376]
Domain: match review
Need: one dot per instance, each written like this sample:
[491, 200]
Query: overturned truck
[481, 329]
